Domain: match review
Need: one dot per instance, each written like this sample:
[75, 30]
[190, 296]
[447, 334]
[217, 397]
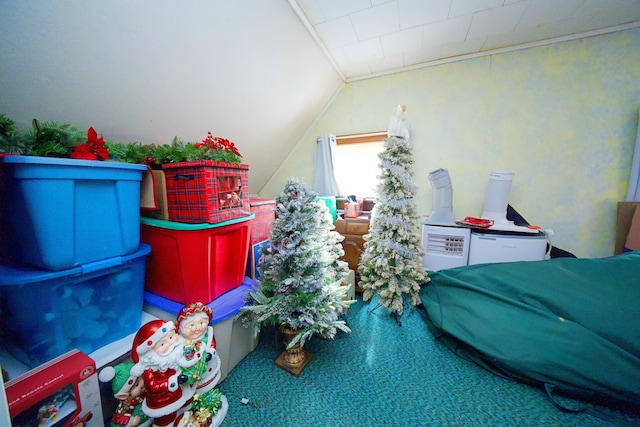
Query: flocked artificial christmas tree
[299, 286]
[391, 265]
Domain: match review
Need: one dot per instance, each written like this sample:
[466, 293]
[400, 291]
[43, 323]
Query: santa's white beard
[162, 362]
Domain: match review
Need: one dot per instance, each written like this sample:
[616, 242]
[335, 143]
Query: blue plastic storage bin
[47, 313]
[61, 213]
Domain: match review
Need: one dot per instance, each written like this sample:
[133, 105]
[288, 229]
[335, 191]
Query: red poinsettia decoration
[213, 143]
[94, 149]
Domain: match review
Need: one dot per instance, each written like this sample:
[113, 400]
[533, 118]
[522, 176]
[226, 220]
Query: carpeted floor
[383, 374]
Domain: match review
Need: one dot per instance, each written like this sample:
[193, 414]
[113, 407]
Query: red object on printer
[476, 222]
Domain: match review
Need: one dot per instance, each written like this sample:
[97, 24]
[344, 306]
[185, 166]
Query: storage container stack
[72, 275]
[200, 250]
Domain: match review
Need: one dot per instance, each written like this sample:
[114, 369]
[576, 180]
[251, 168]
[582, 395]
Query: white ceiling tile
[356, 70]
[497, 20]
[420, 12]
[541, 11]
[462, 48]
[377, 2]
[332, 9]
[466, 7]
[388, 63]
[364, 51]
[339, 56]
[593, 8]
[609, 12]
[451, 30]
[403, 41]
[427, 54]
[376, 21]
[336, 33]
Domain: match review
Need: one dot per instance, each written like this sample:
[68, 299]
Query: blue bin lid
[172, 225]
[58, 161]
[223, 307]
[12, 274]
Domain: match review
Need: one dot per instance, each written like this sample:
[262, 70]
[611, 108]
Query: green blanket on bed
[568, 323]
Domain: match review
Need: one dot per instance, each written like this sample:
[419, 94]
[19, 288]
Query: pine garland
[391, 265]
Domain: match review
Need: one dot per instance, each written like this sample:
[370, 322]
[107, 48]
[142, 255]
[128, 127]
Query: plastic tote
[195, 262]
[61, 213]
[47, 313]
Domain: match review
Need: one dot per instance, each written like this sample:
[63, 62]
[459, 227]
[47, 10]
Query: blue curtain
[633, 194]
[324, 180]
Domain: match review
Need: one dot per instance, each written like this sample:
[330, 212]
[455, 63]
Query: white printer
[504, 246]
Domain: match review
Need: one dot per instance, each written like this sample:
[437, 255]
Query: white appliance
[445, 247]
[496, 201]
[442, 212]
[487, 247]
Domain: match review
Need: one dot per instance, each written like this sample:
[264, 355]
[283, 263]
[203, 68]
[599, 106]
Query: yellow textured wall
[563, 117]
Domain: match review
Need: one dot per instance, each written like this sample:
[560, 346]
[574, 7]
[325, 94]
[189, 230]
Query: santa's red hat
[190, 310]
[148, 336]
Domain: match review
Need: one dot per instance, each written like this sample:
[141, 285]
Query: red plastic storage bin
[195, 262]
[265, 212]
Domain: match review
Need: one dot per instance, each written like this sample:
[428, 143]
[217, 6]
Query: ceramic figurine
[200, 361]
[156, 351]
[129, 390]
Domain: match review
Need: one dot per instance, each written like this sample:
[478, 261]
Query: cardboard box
[156, 191]
[627, 227]
[353, 209]
[353, 246]
[63, 392]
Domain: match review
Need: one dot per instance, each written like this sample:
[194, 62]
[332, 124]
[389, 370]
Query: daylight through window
[356, 164]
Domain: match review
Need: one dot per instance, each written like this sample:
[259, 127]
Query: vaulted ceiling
[364, 38]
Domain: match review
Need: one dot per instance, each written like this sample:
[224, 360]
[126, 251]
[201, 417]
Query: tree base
[294, 368]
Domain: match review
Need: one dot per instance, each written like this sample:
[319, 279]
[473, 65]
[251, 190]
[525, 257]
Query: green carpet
[383, 374]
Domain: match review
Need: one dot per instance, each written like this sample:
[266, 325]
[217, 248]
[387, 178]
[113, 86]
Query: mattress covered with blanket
[568, 323]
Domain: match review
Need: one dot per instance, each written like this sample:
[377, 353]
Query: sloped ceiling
[150, 70]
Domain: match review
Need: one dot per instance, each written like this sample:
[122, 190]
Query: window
[356, 165]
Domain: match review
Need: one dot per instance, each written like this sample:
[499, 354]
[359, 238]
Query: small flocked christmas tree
[300, 282]
[391, 265]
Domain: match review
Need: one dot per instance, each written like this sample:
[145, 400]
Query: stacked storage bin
[73, 272]
[200, 253]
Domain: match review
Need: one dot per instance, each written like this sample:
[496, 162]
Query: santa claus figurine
[156, 351]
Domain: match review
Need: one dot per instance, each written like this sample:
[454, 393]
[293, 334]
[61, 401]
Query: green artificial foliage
[300, 282]
[133, 152]
[391, 265]
[169, 153]
[50, 139]
[11, 142]
[180, 151]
